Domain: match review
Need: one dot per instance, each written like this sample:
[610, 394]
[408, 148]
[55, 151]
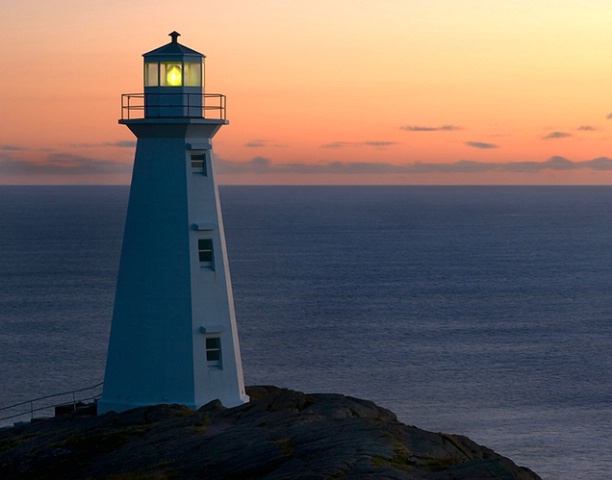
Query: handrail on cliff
[29, 407]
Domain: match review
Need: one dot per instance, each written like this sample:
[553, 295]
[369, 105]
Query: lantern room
[173, 81]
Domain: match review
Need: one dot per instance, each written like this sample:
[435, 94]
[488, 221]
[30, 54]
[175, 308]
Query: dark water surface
[484, 311]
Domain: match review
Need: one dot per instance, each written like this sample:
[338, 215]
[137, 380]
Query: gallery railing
[172, 105]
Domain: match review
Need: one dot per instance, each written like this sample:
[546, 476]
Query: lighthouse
[173, 336]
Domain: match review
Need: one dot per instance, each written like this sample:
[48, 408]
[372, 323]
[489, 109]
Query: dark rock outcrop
[280, 434]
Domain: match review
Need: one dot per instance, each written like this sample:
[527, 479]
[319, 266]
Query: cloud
[263, 165]
[61, 164]
[482, 145]
[118, 143]
[553, 163]
[261, 142]
[587, 128]
[11, 148]
[419, 128]
[255, 165]
[555, 135]
[609, 116]
[121, 144]
[600, 164]
[375, 144]
[256, 143]
[380, 144]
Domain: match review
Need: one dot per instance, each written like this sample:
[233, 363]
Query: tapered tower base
[173, 337]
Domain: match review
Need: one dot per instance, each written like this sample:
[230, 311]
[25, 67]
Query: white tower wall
[172, 292]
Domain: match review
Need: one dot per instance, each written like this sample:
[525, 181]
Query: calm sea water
[484, 311]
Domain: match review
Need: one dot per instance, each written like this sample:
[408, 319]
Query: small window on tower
[205, 251]
[198, 163]
[213, 352]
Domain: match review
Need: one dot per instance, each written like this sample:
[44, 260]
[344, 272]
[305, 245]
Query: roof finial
[174, 36]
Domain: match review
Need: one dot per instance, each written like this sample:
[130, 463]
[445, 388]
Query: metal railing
[27, 410]
[165, 105]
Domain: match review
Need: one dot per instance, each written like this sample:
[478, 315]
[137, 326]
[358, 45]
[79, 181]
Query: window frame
[206, 252]
[213, 352]
[196, 166]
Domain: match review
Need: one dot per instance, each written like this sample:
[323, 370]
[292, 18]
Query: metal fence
[45, 406]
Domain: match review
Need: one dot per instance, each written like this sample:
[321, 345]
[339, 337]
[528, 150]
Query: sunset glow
[374, 92]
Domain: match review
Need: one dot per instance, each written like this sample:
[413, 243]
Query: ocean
[482, 311]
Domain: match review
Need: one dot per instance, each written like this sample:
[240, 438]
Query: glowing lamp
[174, 76]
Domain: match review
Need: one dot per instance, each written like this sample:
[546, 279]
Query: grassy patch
[103, 442]
[14, 442]
[141, 476]
[442, 463]
[401, 459]
[285, 446]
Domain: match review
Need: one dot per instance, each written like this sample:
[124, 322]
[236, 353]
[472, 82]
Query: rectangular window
[213, 351]
[198, 163]
[205, 250]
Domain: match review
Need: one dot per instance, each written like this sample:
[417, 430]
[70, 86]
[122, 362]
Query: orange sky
[321, 92]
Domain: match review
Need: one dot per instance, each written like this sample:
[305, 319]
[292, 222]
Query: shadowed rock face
[280, 434]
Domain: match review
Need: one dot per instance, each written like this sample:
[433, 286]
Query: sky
[414, 92]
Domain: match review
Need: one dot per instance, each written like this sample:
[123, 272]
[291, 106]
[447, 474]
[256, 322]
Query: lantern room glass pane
[193, 74]
[151, 74]
[171, 74]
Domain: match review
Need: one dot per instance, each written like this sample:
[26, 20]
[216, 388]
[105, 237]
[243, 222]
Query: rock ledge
[280, 434]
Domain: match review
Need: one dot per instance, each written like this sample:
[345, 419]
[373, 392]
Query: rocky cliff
[280, 434]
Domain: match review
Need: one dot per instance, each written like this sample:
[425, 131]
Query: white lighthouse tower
[173, 336]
